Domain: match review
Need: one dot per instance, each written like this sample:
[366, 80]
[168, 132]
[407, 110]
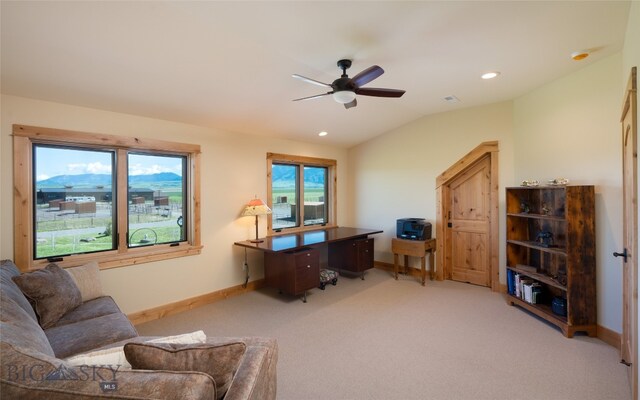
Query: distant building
[46, 195]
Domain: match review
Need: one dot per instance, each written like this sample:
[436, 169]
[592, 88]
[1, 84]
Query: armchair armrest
[27, 374]
[255, 378]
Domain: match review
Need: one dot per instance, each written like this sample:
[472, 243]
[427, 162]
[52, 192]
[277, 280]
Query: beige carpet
[386, 339]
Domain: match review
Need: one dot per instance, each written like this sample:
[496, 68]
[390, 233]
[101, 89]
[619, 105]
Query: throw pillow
[87, 278]
[185, 338]
[112, 356]
[115, 355]
[51, 291]
[218, 361]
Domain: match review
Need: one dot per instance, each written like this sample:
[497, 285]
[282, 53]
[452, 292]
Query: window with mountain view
[301, 192]
[314, 187]
[73, 203]
[284, 189]
[157, 199]
[117, 200]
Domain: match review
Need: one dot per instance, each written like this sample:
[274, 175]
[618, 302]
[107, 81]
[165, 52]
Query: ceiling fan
[345, 89]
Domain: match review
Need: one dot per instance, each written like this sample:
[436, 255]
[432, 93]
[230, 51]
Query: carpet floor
[384, 339]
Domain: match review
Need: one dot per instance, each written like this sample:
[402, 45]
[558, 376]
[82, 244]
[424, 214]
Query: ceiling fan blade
[380, 92]
[309, 80]
[312, 97]
[350, 104]
[367, 75]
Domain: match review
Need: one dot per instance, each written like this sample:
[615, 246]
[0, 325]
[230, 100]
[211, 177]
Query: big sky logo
[105, 375]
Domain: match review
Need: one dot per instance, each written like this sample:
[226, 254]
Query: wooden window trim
[331, 166]
[24, 137]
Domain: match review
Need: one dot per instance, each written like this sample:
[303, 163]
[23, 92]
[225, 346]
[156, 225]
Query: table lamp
[256, 207]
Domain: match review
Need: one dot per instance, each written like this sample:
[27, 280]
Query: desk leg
[432, 266]
[395, 265]
[406, 265]
[423, 268]
[246, 269]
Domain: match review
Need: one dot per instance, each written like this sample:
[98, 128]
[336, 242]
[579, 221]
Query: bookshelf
[551, 254]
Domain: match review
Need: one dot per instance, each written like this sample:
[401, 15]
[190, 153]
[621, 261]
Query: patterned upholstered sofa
[35, 361]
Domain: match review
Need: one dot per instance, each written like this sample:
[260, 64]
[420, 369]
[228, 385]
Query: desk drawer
[307, 270]
[293, 272]
[352, 255]
[365, 254]
[306, 257]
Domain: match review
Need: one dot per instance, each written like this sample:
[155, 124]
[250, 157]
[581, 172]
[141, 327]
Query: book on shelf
[532, 292]
[510, 281]
[525, 290]
[523, 287]
[536, 293]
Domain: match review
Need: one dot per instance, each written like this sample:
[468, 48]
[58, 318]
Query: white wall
[393, 176]
[233, 171]
[571, 128]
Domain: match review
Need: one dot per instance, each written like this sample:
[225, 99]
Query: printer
[413, 229]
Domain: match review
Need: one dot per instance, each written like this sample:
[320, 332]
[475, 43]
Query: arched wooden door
[467, 219]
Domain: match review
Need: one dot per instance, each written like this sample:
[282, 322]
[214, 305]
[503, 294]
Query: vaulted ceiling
[228, 65]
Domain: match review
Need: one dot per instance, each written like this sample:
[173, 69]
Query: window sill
[135, 256]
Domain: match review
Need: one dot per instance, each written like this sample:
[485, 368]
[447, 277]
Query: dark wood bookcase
[551, 241]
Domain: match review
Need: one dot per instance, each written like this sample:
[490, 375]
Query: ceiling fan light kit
[345, 89]
[344, 96]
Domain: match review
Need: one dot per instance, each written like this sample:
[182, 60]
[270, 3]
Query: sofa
[35, 354]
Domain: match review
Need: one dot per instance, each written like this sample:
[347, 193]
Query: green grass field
[310, 194]
[73, 244]
[61, 225]
[65, 234]
[71, 223]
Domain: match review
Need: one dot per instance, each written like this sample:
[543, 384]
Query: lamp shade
[344, 96]
[256, 207]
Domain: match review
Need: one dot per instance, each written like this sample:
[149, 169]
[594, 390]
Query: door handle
[623, 254]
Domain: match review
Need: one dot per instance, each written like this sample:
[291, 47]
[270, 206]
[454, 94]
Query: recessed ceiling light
[580, 55]
[323, 133]
[490, 75]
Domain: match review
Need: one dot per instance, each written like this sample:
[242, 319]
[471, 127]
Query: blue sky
[52, 161]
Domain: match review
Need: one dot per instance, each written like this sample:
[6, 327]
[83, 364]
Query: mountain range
[88, 180]
[281, 177]
[285, 176]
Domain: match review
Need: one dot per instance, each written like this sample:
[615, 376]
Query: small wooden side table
[414, 248]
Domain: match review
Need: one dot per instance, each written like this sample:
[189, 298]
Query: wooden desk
[414, 248]
[291, 261]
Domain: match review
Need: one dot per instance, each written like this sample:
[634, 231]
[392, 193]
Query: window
[156, 198]
[315, 191]
[284, 196]
[301, 192]
[99, 197]
[73, 210]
